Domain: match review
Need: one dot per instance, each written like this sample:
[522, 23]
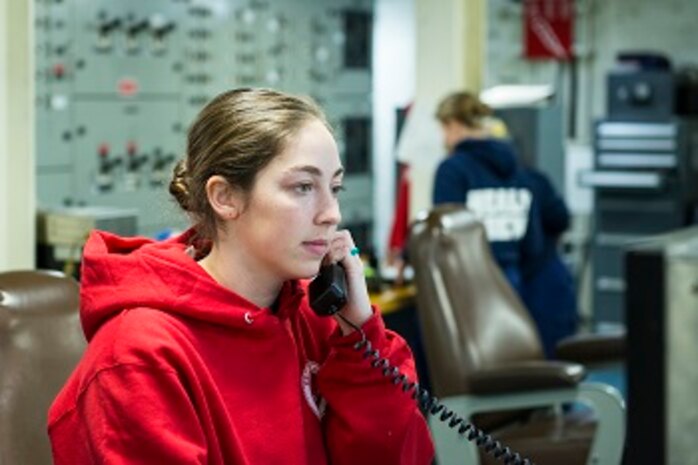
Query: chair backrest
[471, 317]
[40, 343]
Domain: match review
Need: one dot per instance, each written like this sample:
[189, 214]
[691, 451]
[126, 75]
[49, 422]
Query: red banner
[548, 29]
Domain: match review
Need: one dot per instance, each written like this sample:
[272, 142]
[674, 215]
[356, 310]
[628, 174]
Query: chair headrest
[37, 292]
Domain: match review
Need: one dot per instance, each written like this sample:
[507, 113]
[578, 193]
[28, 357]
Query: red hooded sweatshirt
[181, 370]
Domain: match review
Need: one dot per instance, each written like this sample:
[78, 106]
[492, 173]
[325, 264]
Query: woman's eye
[304, 187]
[337, 189]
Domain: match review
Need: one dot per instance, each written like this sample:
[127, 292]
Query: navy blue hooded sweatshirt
[548, 288]
[484, 174]
[555, 217]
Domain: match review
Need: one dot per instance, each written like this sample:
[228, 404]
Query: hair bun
[483, 109]
[179, 185]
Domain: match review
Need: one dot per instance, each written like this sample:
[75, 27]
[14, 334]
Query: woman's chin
[307, 271]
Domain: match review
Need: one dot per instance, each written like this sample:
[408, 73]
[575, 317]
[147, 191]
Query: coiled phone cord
[432, 405]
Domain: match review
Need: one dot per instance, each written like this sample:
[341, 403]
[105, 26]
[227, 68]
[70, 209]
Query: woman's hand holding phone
[358, 308]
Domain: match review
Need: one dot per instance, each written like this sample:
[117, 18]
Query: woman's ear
[223, 198]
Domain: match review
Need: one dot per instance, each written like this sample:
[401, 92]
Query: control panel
[119, 83]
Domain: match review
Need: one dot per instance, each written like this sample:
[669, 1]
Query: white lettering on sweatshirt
[503, 211]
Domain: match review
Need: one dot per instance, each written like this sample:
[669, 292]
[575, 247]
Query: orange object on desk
[394, 299]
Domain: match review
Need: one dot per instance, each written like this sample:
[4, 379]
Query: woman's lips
[318, 248]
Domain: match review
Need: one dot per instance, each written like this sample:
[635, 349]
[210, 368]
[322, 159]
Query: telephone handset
[328, 295]
[328, 291]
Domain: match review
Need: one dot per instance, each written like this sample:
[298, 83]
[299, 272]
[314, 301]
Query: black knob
[136, 28]
[136, 162]
[161, 31]
[108, 26]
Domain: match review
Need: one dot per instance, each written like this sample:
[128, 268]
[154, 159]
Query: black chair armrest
[592, 348]
[526, 376]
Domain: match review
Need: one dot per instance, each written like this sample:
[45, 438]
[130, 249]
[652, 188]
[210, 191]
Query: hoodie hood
[498, 156]
[121, 273]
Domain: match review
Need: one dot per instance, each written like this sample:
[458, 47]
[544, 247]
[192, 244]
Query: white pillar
[450, 57]
[17, 172]
[393, 86]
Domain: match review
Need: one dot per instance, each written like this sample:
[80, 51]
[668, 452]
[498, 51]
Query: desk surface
[393, 299]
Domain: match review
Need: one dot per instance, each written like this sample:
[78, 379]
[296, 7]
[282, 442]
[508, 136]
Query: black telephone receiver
[328, 295]
[328, 291]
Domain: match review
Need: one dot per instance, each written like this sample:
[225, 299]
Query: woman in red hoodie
[203, 349]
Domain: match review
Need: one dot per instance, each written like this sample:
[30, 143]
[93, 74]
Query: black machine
[661, 318]
[644, 177]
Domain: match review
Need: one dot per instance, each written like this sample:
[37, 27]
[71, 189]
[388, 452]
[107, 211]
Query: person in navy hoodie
[548, 287]
[482, 172]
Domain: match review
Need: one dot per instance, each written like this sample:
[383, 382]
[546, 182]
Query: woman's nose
[329, 210]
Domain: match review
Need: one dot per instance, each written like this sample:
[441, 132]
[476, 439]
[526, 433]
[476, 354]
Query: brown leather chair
[484, 355]
[40, 344]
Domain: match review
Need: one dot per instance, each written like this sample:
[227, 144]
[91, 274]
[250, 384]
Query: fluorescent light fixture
[516, 95]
